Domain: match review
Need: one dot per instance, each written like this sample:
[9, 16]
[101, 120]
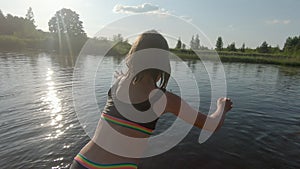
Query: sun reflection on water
[56, 123]
[54, 107]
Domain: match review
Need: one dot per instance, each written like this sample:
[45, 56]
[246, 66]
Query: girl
[139, 88]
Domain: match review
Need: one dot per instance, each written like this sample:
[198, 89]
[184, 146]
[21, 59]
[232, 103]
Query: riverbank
[120, 50]
[240, 57]
[71, 46]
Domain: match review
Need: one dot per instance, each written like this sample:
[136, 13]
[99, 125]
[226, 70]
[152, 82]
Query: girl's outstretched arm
[214, 121]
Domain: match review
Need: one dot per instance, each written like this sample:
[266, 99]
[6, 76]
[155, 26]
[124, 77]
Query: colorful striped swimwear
[84, 163]
[111, 113]
[126, 123]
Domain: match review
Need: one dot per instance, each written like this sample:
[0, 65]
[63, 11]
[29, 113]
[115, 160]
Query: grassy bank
[64, 46]
[264, 60]
[50, 44]
[241, 57]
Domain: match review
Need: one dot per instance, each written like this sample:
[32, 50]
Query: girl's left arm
[183, 110]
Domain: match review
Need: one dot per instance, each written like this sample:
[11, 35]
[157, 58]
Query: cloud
[277, 21]
[186, 18]
[144, 8]
[231, 27]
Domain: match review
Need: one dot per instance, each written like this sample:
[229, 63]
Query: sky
[240, 21]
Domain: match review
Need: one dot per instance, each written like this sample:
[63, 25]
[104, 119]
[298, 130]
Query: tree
[197, 42]
[192, 43]
[275, 49]
[219, 44]
[30, 15]
[118, 38]
[67, 31]
[264, 48]
[2, 17]
[66, 21]
[178, 45]
[291, 44]
[183, 46]
[2, 23]
[231, 47]
[17, 26]
[243, 48]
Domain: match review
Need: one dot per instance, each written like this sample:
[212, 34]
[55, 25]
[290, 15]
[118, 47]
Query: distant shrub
[8, 42]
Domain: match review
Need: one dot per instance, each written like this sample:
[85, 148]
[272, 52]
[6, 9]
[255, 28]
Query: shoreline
[243, 58]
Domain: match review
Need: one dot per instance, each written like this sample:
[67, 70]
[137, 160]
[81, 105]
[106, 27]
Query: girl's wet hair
[148, 40]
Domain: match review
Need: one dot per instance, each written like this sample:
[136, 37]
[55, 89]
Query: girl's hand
[224, 105]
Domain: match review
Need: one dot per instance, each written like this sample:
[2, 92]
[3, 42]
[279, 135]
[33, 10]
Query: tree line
[291, 46]
[66, 34]
[65, 31]
[194, 44]
[263, 48]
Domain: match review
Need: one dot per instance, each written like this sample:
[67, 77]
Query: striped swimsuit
[81, 162]
[111, 115]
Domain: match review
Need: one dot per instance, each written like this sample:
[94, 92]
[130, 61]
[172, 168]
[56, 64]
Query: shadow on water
[289, 71]
[64, 61]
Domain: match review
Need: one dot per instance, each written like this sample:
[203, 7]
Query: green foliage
[292, 46]
[70, 45]
[243, 48]
[192, 42]
[120, 46]
[219, 44]
[8, 42]
[226, 56]
[20, 33]
[67, 31]
[264, 48]
[179, 44]
[18, 26]
[17, 33]
[119, 49]
[66, 21]
[195, 42]
[30, 15]
[100, 45]
[67, 36]
[2, 23]
[275, 49]
[183, 46]
[117, 38]
[231, 47]
[12, 43]
[97, 46]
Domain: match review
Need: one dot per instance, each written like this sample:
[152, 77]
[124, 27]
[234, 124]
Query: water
[39, 126]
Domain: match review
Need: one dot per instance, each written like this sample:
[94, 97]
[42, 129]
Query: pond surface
[39, 126]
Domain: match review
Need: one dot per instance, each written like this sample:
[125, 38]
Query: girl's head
[150, 41]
